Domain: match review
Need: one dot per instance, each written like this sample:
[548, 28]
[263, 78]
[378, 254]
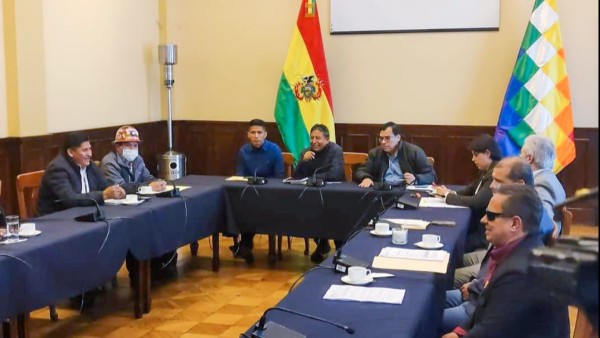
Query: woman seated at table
[477, 195]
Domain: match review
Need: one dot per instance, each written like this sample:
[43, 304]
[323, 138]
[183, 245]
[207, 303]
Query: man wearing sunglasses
[394, 161]
[505, 299]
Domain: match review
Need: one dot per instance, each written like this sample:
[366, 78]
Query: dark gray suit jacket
[62, 181]
[412, 160]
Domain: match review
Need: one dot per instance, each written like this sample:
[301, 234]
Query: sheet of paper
[411, 264]
[436, 202]
[423, 255]
[425, 188]
[365, 294]
[290, 180]
[411, 224]
[237, 178]
[168, 188]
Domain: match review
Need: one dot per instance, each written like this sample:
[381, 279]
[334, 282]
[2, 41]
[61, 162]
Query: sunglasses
[493, 215]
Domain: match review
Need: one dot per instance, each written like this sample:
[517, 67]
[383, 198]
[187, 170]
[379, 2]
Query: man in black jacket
[394, 161]
[72, 179]
[511, 303]
[327, 160]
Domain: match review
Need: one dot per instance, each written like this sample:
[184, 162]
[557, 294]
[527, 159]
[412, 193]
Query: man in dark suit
[72, 179]
[328, 158]
[396, 160]
[510, 304]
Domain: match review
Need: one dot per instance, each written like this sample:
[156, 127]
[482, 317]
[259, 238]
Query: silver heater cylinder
[171, 165]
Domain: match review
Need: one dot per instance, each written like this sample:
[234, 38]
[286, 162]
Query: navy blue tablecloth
[295, 210]
[66, 259]
[418, 316]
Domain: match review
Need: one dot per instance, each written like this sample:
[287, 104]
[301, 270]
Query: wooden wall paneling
[212, 146]
[10, 165]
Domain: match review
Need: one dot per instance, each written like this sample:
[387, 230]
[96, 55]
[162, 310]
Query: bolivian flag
[304, 95]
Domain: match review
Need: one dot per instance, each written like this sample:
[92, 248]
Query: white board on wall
[387, 16]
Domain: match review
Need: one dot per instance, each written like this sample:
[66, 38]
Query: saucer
[136, 202]
[381, 234]
[346, 279]
[427, 246]
[30, 234]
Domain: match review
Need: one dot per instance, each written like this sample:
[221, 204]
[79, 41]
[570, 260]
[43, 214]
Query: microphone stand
[171, 193]
[261, 329]
[92, 217]
[382, 185]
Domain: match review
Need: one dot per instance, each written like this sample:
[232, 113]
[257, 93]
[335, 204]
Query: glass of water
[12, 228]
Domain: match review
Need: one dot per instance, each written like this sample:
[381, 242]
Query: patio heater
[172, 164]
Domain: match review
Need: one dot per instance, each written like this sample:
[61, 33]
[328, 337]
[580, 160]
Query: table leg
[194, 248]
[272, 257]
[23, 325]
[216, 262]
[9, 328]
[147, 300]
[138, 290]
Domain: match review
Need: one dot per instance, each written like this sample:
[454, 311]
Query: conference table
[70, 257]
[419, 314]
[277, 208]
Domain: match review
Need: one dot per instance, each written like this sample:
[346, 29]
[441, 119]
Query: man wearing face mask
[125, 167]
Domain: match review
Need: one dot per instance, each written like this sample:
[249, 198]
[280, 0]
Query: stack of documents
[436, 202]
[290, 180]
[423, 188]
[365, 294]
[412, 260]
[406, 223]
[237, 178]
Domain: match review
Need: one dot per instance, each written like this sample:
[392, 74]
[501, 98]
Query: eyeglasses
[493, 215]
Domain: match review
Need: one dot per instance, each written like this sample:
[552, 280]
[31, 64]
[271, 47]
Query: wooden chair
[431, 160]
[351, 160]
[28, 187]
[288, 162]
[567, 221]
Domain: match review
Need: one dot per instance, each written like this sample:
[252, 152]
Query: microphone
[317, 182]
[341, 262]
[93, 217]
[386, 206]
[258, 180]
[382, 185]
[171, 193]
[409, 201]
[270, 329]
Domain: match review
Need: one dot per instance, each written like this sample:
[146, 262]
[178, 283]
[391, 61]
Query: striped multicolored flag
[304, 95]
[538, 100]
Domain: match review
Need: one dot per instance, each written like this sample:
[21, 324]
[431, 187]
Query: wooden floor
[198, 303]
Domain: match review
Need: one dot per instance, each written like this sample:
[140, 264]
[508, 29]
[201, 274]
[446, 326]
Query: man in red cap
[125, 167]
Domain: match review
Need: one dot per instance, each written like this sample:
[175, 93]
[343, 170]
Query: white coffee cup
[358, 274]
[145, 189]
[382, 228]
[429, 239]
[27, 228]
[131, 198]
[399, 236]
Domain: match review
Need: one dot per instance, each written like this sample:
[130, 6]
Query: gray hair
[541, 149]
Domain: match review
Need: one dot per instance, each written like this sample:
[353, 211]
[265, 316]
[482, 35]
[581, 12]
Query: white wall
[101, 64]
[232, 53]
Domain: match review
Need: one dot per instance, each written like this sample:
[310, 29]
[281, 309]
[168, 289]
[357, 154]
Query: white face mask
[130, 154]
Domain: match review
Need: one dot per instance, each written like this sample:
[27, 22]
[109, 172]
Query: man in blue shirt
[259, 157]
